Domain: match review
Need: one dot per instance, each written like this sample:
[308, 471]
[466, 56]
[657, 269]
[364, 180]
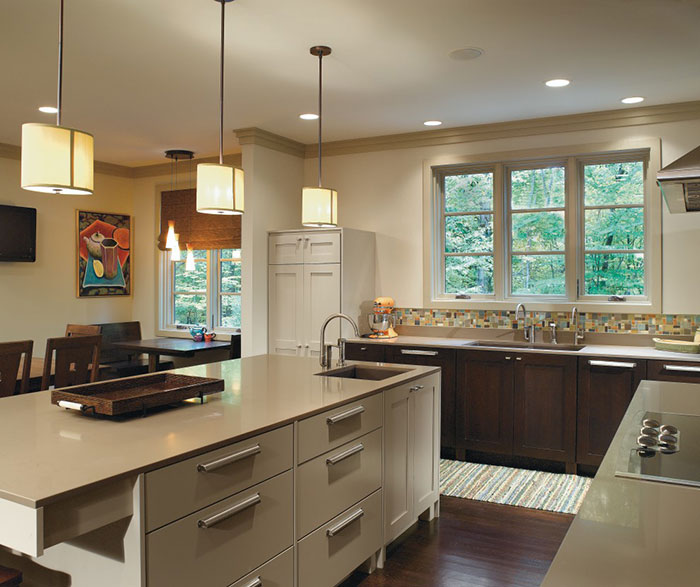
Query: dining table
[172, 347]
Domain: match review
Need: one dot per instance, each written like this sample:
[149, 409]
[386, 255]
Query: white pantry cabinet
[412, 445]
[312, 274]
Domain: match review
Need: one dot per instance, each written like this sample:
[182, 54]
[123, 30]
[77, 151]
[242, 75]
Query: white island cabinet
[281, 481]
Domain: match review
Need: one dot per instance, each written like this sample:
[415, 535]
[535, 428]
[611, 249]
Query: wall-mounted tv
[17, 234]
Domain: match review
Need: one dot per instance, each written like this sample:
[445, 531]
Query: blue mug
[197, 333]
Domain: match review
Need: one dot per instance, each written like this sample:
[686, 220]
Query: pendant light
[57, 159]
[175, 251]
[189, 261]
[219, 186]
[171, 241]
[319, 205]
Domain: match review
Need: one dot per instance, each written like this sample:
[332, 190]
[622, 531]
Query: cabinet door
[285, 248]
[321, 299]
[398, 462]
[485, 401]
[445, 359]
[681, 371]
[285, 309]
[321, 247]
[605, 388]
[544, 415]
[425, 422]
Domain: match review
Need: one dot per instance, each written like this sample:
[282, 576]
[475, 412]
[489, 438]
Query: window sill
[185, 333]
[546, 306]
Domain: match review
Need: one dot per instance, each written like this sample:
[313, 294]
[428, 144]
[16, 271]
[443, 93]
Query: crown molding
[621, 117]
[258, 136]
[166, 168]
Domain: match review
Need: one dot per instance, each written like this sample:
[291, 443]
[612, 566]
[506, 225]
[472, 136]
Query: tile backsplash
[679, 324]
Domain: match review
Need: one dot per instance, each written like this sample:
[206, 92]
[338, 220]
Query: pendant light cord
[320, 113]
[221, 87]
[60, 63]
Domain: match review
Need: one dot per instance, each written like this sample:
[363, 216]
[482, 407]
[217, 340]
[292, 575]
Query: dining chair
[10, 577]
[75, 360]
[11, 355]
[83, 329]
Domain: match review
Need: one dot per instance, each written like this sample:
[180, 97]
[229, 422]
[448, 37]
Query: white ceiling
[142, 75]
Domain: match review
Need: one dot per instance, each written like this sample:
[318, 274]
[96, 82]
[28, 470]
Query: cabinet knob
[306, 346]
[508, 358]
[518, 358]
[298, 346]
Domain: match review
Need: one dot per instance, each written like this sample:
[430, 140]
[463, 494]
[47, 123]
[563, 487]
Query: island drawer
[182, 488]
[338, 547]
[357, 351]
[223, 541]
[335, 427]
[337, 479]
[279, 572]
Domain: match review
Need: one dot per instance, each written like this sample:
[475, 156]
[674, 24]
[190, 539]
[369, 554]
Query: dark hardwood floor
[473, 544]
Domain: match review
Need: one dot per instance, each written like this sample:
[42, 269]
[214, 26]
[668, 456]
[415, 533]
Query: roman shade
[201, 231]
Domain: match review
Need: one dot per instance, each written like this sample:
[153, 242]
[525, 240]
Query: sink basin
[511, 344]
[363, 372]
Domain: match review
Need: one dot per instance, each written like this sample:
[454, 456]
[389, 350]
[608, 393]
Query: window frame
[647, 150]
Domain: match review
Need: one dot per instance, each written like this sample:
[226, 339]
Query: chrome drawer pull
[228, 512]
[618, 364]
[333, 530]
[227, 460]
[345, 415]
[257, 582]
[682, 368]
[417, 352]
[345, 454]
[416, 388]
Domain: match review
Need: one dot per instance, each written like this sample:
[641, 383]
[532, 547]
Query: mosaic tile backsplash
[679, 324]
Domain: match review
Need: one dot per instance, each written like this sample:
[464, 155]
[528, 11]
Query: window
[567, 229]
[208, 296]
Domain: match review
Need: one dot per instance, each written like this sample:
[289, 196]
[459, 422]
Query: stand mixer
[382, 320]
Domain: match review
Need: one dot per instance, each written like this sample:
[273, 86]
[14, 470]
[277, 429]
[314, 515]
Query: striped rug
[553, 492]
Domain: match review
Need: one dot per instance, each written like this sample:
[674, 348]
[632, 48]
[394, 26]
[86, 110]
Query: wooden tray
[135, 394]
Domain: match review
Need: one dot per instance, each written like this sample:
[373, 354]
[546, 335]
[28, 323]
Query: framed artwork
[104, 254]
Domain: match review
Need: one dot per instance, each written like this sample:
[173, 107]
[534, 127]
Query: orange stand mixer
[382, 320]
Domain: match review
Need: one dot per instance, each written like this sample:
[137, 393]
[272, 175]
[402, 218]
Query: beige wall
[383, 192]
[39, 299]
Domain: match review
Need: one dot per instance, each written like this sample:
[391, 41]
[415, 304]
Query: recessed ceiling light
[432, 122]
[557, 83]
[466, 54]
[308, 116]
[48, 109]
[632, 100]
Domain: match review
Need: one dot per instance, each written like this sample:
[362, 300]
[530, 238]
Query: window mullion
[499, 224]
[571, 237]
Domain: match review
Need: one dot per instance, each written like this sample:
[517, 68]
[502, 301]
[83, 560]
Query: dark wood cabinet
[681, 371]
[485, 401]
[544, 413]
[356, 351]
[605, 389]
[445, 359]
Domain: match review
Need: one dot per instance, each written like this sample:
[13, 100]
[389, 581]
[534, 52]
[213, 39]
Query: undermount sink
[362, 372]
[512, 344]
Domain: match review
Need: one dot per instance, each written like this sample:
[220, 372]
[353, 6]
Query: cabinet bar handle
[682, 368]
[333, 530]
[417, 352]
[228, 512]
[227, 460]
[345, 415]
[257, 582]
[619, 364]
[416, 388]
[334, 460]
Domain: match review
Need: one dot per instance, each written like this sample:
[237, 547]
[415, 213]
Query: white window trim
[571, 154]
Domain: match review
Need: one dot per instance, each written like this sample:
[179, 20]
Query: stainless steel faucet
[327, 349]
[529, 330]
[575, 317]
[553, 330]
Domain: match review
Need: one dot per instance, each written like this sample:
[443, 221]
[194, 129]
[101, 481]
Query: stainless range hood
[680, 183]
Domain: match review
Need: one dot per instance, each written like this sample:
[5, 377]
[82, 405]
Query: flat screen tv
[17, 234]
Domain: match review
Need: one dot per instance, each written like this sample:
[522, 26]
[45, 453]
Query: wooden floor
[473, 544]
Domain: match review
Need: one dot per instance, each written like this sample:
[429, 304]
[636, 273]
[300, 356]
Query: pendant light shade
[57, 159]
[189, 261]
[175, 251]
[319, 205]
[170, 241]
[219, 186]
[219, 189]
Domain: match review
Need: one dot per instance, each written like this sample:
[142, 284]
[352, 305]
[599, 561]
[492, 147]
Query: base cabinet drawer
[357, 351]
[279, 572]
[224, 541]
[185, 487]
[335, 480]
[333, 551]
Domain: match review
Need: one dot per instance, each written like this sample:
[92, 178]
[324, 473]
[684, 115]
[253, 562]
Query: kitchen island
[137, 501]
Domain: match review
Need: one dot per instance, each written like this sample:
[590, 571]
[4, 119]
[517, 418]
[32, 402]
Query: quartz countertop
[630, 532]
[49, 453]
[593, 350]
